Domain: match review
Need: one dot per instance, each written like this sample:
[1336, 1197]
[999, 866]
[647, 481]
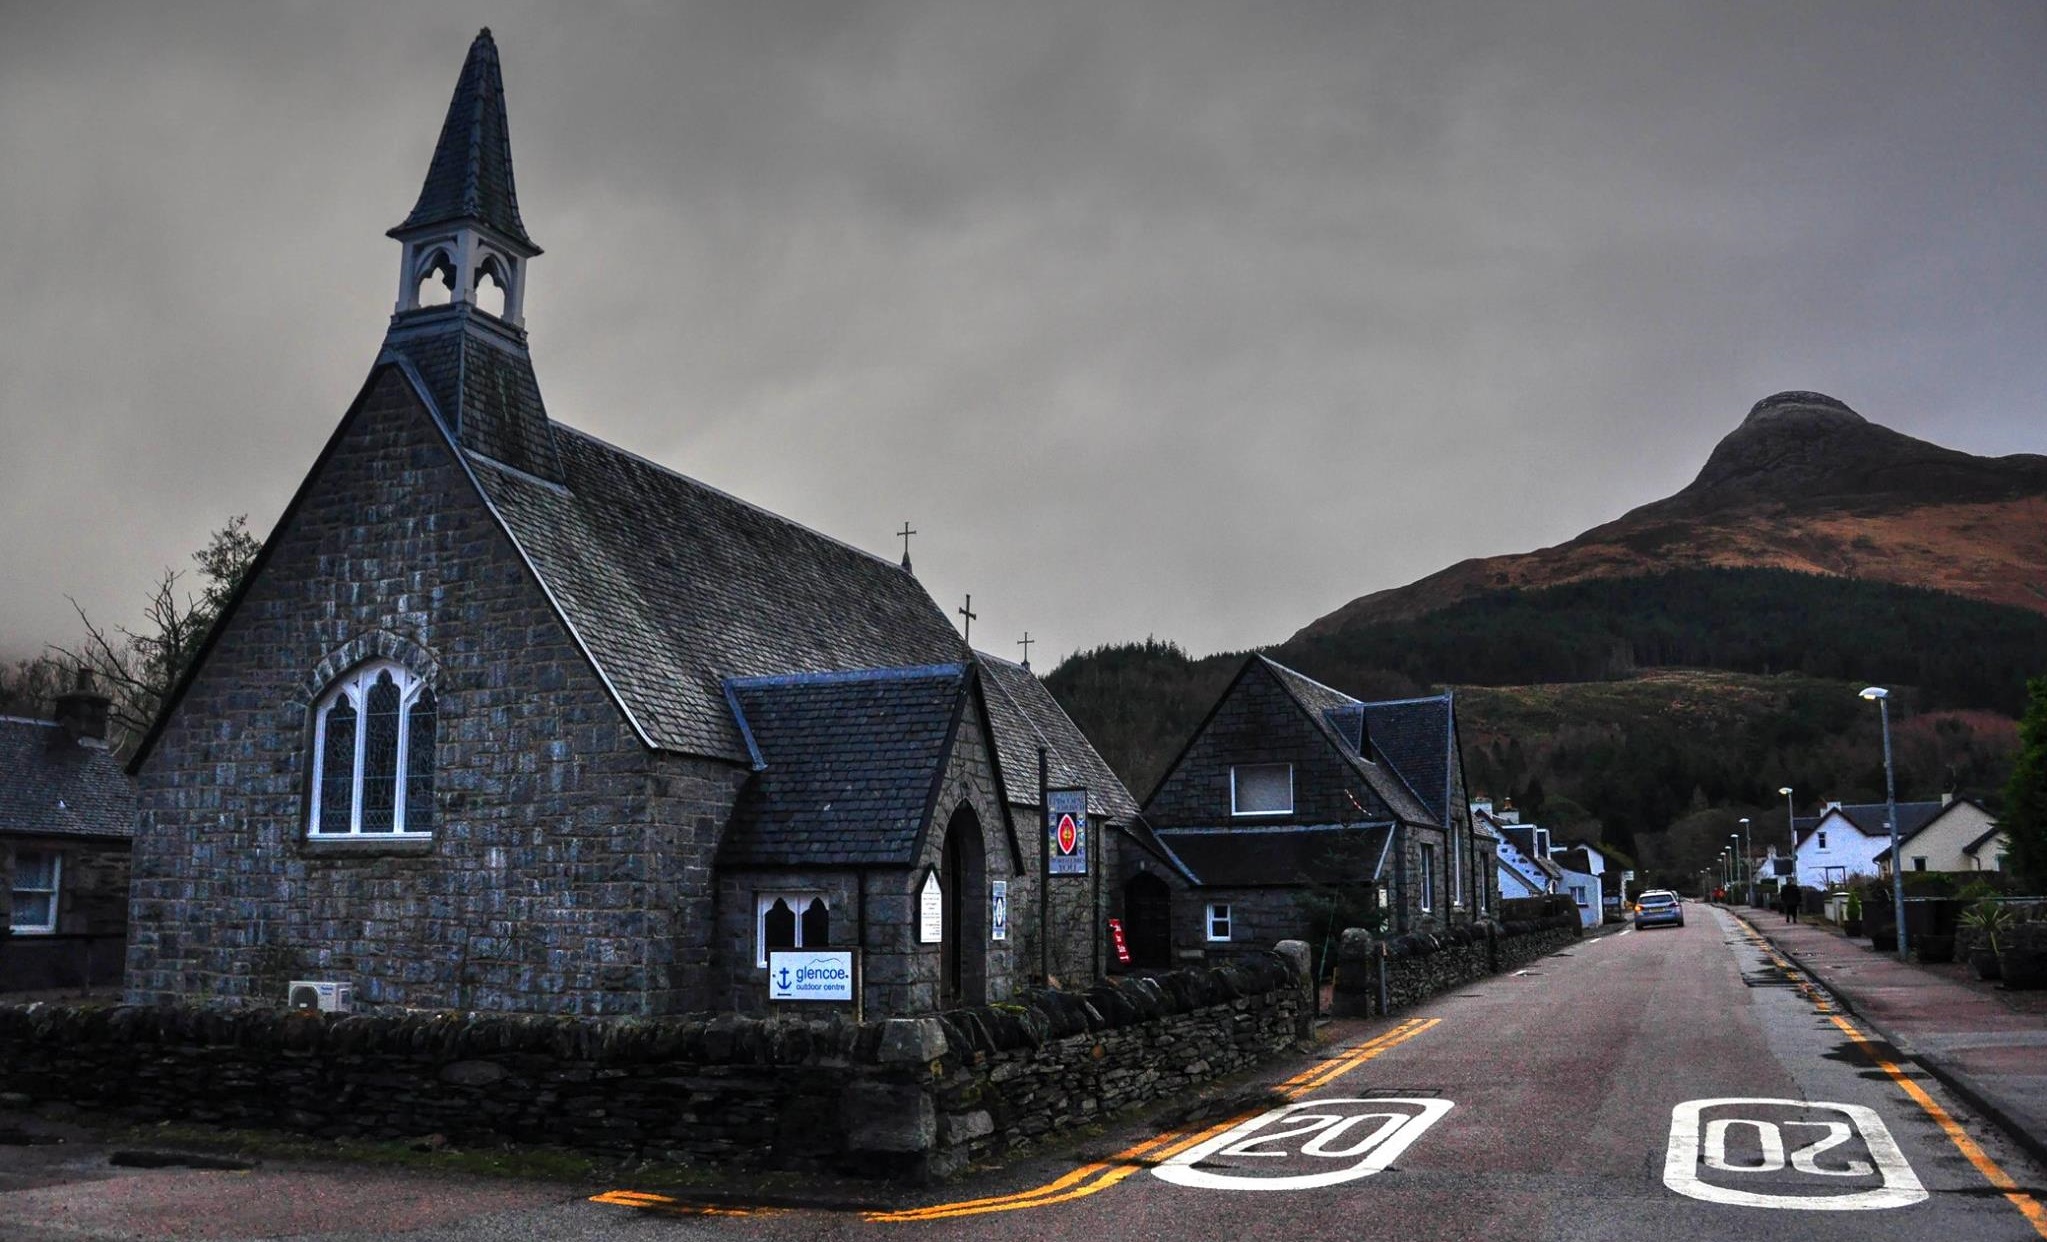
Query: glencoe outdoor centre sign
[810, 975]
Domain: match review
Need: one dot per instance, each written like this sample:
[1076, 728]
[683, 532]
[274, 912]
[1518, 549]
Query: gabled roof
[1278, 857]
[1983, 840]
[1417, 737]
[849, 764]
[1026, 716]
[53, 786]
[1318, 702]
[1871, 818]
[1576, 860]
[470, 175]
[1906, 838]
[676, 586]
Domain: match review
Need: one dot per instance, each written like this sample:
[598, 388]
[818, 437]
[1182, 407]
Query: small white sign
[1358, 1137]
[931, 911]
[810, 975]
[998, 909]
[1758, 1152]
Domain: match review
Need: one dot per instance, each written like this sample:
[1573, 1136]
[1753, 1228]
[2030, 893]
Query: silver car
[1658, 906]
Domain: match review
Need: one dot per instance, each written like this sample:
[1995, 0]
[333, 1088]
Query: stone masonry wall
[1419, 966]
[908, 1097]
[533, 893]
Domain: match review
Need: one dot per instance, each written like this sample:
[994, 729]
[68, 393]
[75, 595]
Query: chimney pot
[82, 711]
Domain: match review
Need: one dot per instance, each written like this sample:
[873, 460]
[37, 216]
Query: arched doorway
[963, 970]
[1148, 921]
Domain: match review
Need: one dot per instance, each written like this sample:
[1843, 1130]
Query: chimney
[82, 712]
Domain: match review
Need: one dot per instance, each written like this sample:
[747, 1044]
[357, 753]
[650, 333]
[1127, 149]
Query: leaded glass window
[373, 754]
[790, 921]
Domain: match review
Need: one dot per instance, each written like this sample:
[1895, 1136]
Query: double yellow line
[1992, 1172]
[1094, 1178]
[647, 1201]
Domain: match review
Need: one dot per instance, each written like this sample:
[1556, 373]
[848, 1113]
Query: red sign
[1069, 836]
[1122, 947]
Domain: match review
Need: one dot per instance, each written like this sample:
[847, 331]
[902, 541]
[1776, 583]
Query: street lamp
[1734, 849]
[1791, 827]
[1748, 855]
[1881, 697]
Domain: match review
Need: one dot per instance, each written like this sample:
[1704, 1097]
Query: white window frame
[55, 890]
[799, 901]
[1217, 914]
[1823, 840]
[1288, 809]
[1427, 877]
[355, 685]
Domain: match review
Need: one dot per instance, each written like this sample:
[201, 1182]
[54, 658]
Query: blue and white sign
[811, 975]
[998, 909]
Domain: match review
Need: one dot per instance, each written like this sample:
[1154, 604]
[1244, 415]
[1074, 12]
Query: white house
[1522, 858]
[1583, 883]
[1845, 839]
[1962, 836]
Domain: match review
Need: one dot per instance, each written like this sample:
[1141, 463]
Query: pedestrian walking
[1790, 901]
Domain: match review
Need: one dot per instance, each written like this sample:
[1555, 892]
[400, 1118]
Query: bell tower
[465, 243]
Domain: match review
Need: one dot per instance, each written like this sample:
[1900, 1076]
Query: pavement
[1988, 1045]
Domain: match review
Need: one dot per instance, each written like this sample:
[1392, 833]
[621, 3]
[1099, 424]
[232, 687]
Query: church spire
[460, 318]
[470, 177]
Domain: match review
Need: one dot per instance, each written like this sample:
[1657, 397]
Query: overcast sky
[1172, 319]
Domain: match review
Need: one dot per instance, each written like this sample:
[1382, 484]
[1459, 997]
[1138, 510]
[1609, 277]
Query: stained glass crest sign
[1066, 831]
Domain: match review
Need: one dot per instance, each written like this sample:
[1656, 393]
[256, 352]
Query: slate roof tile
[60, 790]
[470, 175]
[849, 762]
[1274, 857]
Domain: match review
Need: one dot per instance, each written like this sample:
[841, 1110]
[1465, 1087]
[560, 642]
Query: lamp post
[1791, 828]
[1748, 856]
[1734, 852]
[1881, 697]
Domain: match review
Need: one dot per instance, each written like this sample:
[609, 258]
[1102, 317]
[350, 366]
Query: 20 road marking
[2028, 1206]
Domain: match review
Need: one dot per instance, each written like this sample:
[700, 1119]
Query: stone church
[508, 718]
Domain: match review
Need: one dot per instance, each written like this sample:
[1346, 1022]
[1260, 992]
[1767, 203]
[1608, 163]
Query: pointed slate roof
[52, 786]
[470, 176]
[1870, 818]
[848, 764]
[1319, 702]
[1416, 736]
[480, 375]
[1284, 857]
[674, 586]
[1026, 716]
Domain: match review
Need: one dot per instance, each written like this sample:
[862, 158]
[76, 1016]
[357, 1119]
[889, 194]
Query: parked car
[1658, 906]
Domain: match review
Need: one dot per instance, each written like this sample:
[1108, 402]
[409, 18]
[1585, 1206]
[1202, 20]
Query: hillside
[1804, 484]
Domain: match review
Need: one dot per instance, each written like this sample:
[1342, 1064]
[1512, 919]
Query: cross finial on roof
[904, 534]
[967, 610]
[1025, 642]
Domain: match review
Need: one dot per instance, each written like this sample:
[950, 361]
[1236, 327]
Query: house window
[1578, 895]
[1918, 862]
[1262, 789]
[36, 873]
[1823, 840]
[1428, 877]
[790, 921]
[373, 755]
[1218, 920]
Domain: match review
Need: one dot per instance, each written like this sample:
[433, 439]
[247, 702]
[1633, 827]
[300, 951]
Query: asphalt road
[1660, 1085]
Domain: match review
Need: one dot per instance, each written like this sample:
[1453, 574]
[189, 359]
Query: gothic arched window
[373, 755]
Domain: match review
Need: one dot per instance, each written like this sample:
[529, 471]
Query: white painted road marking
[1625, 930]
[1327, 1126]
[1695, 1141]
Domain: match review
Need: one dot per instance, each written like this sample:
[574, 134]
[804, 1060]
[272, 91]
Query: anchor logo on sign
[782, 979]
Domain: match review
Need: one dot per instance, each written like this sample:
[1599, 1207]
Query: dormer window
[1262, 789]
[373, 755]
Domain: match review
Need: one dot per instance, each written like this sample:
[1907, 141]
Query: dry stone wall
[911, 1098]
[1420, 965]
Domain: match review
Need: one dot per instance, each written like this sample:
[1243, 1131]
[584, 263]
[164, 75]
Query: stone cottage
[67, 814]
[504, 717]
[1288, 784]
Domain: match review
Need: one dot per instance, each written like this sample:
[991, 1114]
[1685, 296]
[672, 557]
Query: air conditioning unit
[327, 997]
